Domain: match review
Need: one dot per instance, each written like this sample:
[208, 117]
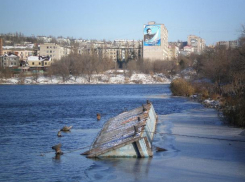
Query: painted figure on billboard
[152, 35]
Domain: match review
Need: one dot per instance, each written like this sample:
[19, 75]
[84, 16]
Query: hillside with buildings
[35, 55]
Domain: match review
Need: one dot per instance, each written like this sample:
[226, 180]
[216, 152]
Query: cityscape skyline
[110, 20]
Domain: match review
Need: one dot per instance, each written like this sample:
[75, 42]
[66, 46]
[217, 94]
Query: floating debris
[98, 116]
[129, 134]
[59, 134]
[159, 149]
[66, 128]
[57, 149]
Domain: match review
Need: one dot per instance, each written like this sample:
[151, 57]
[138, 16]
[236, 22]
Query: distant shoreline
[136, 78]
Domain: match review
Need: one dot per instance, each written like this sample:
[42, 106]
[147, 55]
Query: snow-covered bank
[109, 77]
[199, 148]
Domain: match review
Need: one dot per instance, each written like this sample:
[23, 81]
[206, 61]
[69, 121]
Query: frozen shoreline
[205, 148]
[106, 78]
[209, 151]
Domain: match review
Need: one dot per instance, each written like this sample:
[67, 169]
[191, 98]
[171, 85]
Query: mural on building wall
[194, 42]
[152, 35]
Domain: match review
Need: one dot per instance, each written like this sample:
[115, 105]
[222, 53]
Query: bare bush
[181, 87]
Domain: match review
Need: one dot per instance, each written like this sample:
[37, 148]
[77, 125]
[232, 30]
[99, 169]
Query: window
[11, 63]
[50, 51]
[47, 51]
[39, 63]
[14, 63]
[45, 63]
[47, 47]
[32, 63]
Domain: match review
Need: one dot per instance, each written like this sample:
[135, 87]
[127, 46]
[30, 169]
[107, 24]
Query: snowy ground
[109, 77]
[199, 148]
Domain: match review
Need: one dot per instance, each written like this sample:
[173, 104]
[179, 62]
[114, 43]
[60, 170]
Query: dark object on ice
[98, 116]
[59, 134]
[129, 134]
[57, 149]
[158, 149]
[66, 128]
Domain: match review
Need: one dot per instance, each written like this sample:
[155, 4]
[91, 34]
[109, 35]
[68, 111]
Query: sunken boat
[129, 134]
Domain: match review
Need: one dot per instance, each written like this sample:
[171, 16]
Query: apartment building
[1, 46]
[22, 52]
[9, 61]
[228, 44]
[114, 53]
[197, 43]
[54, 51]
[189, 49]
[155, 45]
[173, 52]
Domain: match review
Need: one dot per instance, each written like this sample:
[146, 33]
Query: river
[31, 116]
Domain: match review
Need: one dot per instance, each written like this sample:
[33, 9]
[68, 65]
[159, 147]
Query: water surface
[31, 116]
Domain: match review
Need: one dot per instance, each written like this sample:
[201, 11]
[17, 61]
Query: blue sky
[213, 20]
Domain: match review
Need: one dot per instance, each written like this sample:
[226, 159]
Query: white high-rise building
[155, 42]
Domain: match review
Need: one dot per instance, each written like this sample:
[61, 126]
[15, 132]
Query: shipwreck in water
[129, 134]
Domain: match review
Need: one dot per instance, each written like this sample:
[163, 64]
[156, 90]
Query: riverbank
[199, 148]
[109, 77]
[228, 100]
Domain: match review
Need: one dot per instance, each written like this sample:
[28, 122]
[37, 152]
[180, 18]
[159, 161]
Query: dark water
[31, 116]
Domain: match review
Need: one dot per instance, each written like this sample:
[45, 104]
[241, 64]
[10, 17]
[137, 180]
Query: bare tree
[21, 78]
[62, 68]
[35, 76]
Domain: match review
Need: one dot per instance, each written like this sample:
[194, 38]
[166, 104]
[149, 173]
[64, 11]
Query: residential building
[189, 49]
[1, 46]
[228, 44]
[21, 51]
[114, 53]
[9, 61]
[173, 52]
[197, 43]
[39, 61]
[54, 51]
[44, 39]
[155, 45]
[62, 40]
[179, 44]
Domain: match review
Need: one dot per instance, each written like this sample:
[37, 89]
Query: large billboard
[152, 35]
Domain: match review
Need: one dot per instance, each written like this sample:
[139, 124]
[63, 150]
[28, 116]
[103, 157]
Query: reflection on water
[112, 169]
[57, 157]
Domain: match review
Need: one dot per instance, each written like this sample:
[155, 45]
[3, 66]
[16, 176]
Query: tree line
[221, 76]
[80, 65]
